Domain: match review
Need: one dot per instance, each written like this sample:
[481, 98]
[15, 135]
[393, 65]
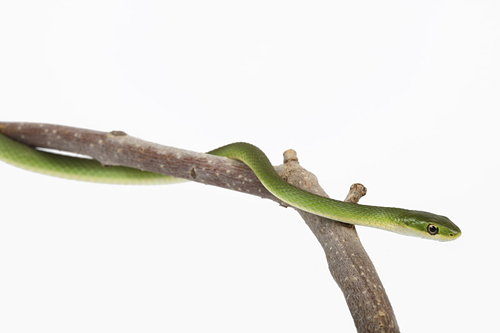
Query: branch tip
[290, 155]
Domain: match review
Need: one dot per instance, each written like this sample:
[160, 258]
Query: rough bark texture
[347, 260]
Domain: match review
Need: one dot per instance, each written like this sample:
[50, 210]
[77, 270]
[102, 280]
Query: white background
[400, 96]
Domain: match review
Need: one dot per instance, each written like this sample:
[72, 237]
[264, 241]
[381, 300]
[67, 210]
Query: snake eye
[432, 229]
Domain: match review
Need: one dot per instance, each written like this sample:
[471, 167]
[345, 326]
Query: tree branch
[118, 148]
[347, 260]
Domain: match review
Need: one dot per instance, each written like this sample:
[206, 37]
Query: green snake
[403, 221]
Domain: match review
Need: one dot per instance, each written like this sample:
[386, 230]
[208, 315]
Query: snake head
[431, 226]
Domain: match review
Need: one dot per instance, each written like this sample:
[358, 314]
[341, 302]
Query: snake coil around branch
[347, 260]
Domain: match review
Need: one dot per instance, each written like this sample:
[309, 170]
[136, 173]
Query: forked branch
[347, 260]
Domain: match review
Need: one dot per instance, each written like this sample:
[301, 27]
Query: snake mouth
[450, 236]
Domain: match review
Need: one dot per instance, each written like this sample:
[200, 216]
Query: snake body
[403, 221]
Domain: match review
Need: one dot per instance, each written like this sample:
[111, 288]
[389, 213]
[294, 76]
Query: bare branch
[347, 260]
[118, 148]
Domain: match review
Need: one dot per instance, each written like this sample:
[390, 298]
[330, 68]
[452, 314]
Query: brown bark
[347, 260]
